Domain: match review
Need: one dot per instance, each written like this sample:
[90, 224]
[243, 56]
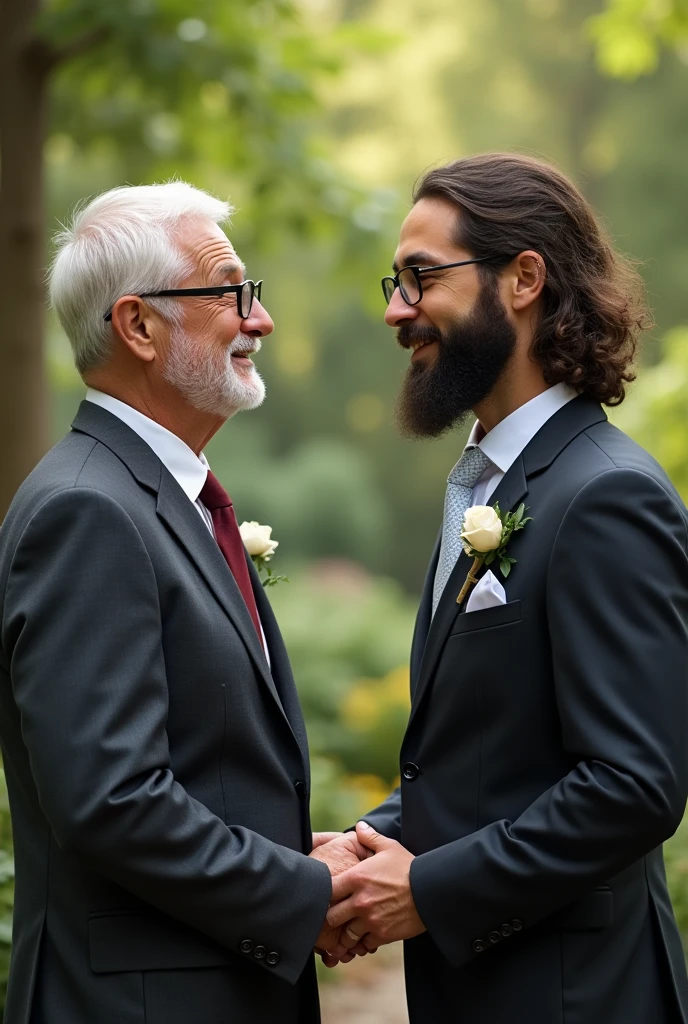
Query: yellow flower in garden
[396, 687]
[360, 706]
[369, 700]
[370, 790]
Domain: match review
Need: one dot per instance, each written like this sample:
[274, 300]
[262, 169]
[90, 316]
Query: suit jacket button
[506, 930]
[478, 945]
[410, 771]
[246, 946]
[272, 959]
[517, 925]
[494, 938]
[259, 952]
[300, 787]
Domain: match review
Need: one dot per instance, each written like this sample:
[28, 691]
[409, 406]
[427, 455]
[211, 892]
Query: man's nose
[258, 324]
[398, 311]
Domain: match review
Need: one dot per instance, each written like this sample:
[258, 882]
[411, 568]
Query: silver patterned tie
[462, 479]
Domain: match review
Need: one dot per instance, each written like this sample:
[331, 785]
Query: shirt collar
[505, 442]
[187, 468]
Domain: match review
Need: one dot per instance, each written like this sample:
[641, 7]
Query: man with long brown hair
[545, 760]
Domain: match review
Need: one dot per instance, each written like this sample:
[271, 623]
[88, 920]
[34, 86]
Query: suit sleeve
[82, 627]
[617, 608]
[386, 817]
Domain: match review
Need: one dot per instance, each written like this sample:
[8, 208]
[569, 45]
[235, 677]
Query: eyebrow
[230, 268]
[417, 259]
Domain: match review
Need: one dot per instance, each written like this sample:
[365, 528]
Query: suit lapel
[510, 491]
[424, 617]
[541, 451]
[177, 512]
[281, 668]
[183, 520]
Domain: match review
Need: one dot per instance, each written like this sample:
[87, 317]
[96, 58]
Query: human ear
[528, 279]
[133, 326]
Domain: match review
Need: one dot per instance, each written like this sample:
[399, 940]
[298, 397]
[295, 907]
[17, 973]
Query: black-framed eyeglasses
[245, 292]
[409, 284]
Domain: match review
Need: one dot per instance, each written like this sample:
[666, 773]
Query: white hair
[122, 242]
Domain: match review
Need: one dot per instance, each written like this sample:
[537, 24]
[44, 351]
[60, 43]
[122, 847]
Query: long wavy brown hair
[593, 302]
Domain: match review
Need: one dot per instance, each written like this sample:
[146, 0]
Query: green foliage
[339, 799]
[629, 34]
[163, 89]
[348, 636]
[321, 461]
[345, 631]
[316, 120]
[676, 860]
[655, 411]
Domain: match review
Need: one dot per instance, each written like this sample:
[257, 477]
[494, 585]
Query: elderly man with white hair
[154, 748]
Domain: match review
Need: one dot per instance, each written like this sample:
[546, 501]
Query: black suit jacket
[157, 769]
[546, 756]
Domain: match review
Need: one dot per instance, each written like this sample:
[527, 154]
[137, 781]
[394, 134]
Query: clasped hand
[372, 903]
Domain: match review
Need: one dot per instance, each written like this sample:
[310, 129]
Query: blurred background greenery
[315, 117]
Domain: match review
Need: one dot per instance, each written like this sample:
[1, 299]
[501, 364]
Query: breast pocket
[486, 618]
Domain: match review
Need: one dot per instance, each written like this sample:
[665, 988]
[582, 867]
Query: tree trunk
[23, 391]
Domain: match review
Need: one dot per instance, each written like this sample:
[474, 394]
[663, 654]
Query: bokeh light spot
[365, 412]
[191, 30]
[295, 355]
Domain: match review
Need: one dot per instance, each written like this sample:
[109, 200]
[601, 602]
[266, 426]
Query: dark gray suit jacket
[157, 770]
[546, 756]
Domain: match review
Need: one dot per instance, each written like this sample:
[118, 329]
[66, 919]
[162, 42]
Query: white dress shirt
[187, 468]
[505, 442]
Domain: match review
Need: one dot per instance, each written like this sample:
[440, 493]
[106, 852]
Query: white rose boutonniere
[482, 529]
[485, 535]
[258, 542]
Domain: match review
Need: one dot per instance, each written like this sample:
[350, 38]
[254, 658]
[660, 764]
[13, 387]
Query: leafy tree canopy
[166, 88]
[629, 34]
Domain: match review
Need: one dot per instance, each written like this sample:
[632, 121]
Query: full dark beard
[472, 355]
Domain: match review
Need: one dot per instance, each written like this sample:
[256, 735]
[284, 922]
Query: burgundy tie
[219, 504]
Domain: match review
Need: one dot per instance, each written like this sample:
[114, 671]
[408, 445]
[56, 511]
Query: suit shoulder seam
[615, 468]
[586, 433]
[59, 493]
[90, 452]
[627, 469]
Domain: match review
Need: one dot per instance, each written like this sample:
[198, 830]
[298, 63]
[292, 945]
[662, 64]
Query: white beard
[208, 379]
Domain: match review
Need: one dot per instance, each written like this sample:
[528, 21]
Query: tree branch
[51, 57]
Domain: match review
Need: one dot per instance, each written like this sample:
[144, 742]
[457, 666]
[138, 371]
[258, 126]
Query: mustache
[409, 334]
[242, 343]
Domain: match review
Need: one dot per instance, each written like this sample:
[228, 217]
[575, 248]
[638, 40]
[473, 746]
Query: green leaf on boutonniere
[268, 578]
[512, 522]
[483, 529]
[257, 539]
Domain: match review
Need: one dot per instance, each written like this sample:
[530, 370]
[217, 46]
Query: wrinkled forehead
[209, 250]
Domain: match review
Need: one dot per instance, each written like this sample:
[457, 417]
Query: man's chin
[419, 417]
[255, 393]
[252, 396]
[422, 428]
[248, 406]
